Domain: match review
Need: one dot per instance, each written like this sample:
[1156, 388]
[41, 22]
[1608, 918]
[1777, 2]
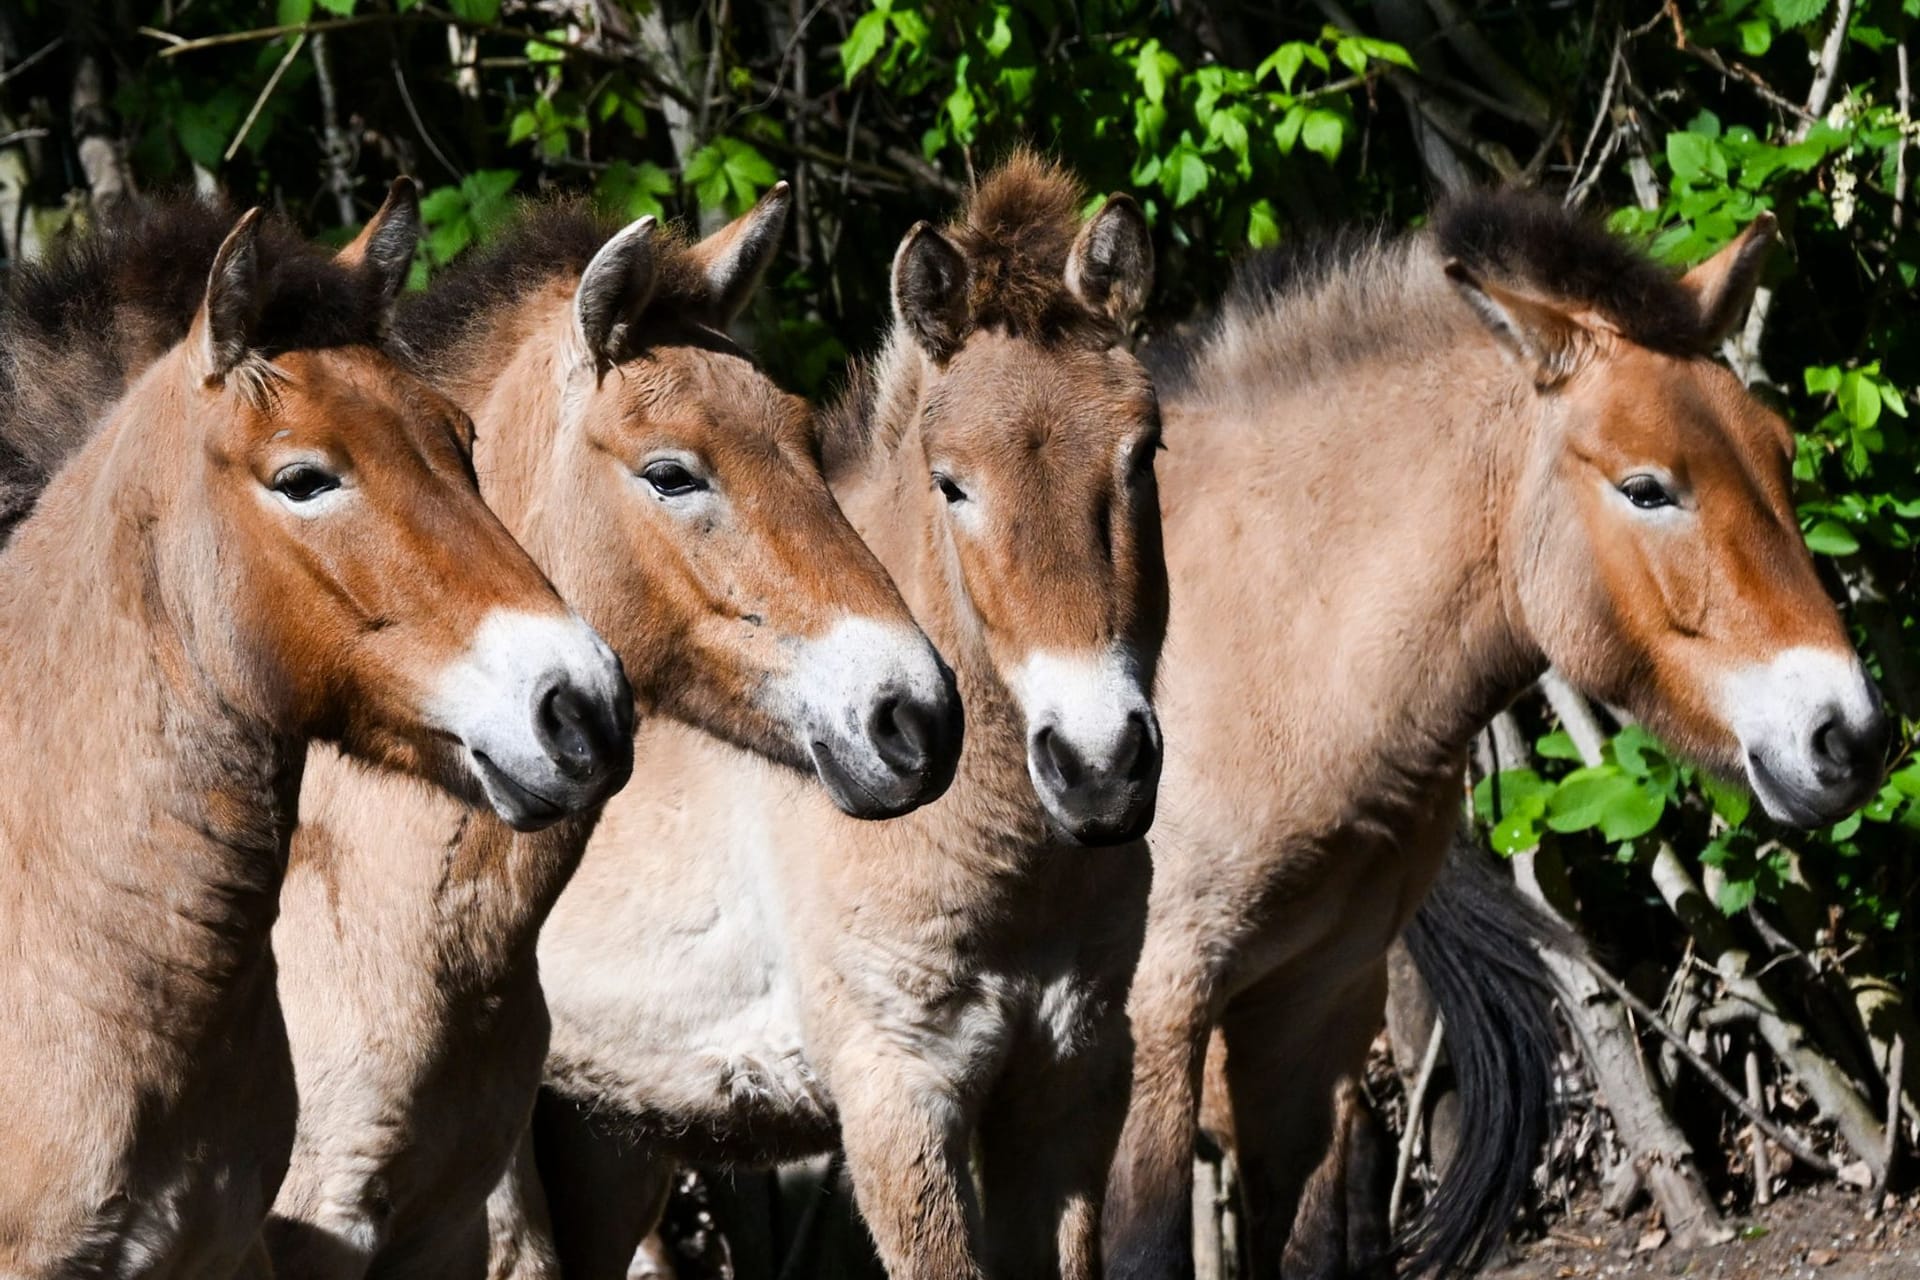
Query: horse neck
[143, 802]
[1374, 498]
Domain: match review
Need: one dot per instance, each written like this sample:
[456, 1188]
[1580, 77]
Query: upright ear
[223, 330]
[736, 256]
[1723, 285]
[615, 289]
[1111, 266]
[930, 282]
[1538, 334]
[383, 251]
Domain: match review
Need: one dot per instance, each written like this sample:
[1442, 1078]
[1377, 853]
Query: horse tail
[1475, 943]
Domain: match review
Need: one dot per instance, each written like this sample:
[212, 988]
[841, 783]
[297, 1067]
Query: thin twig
[25, 64]
[1900, 147]
[23, 135]
[1762, 1162]
[1829, 66]
[1714, 1079]
[266, 91]
[1416, 1112]
[1896, 1089]
[419, 125]
[1577, 190]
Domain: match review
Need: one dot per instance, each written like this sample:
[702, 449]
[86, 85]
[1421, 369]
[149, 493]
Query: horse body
[957, 975]
[674, 494]
[212, 579]
[1449, 460]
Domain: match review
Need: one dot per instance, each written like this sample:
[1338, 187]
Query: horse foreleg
[1287, 1056]
[1148, 1228]
[603, 1193]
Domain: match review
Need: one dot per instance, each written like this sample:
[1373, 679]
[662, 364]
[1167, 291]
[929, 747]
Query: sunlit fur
[407, 932]
[737, 974]
[1391, 498]
[173, 637]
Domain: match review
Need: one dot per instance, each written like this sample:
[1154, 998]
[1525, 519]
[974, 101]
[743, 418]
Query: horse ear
[229, 315]
[384, 248]
[615, 289]
[1537, 333]
[1111, 266]
[930, 283]
[735, 257]
[1723, 285]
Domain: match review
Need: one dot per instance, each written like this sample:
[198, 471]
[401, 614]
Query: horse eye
[948, 489]
[1645, 492]
[672, 479]
[303, 482]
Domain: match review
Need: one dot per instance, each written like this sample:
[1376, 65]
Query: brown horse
[675, 495]
[738, 973]
[1442, 462]
[273, 536]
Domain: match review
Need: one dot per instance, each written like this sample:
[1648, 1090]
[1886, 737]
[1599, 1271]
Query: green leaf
[1283, 62]
[1756, 37]
[862, 43]
[1184, 177]
[1605, 798]
[485, 12]
[1287, 132]
[1519, 831]
[1322, 133]
[1557, 745]
[1263, 228]
[291, 13]
[1735, 896]
[340, 7]
[1796, 13]
[1831, 538]
[1730, 800]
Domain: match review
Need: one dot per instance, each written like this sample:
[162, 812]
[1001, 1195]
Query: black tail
[1473, 942]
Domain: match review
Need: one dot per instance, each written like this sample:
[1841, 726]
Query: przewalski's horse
[739, 974]
[675, 495]
[273, 536]
[1404, 476]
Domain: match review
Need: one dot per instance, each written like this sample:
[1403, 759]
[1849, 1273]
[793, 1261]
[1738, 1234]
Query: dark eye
[1645, 492]
[672, 479]
[1143, 456]
[948, 489]
[303, 482]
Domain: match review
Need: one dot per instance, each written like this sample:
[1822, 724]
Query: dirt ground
[1817, 1233]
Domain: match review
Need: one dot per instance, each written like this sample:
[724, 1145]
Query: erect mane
[547, 241]
[79, 326]
[1016, 231]
[1355, 294]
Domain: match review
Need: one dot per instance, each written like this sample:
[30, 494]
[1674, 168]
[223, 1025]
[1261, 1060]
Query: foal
[274, 535]
[1403, 478]
[788, 980]
[675, 495]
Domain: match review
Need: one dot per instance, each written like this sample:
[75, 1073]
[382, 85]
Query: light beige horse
[1401, 481]
[675, 495]
[739, 973]
[273, 536]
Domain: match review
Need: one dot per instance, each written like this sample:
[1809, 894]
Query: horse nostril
[902, 734]
[1850, 748]
[1059, 761]
[565, 724]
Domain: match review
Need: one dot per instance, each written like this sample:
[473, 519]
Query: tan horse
[676, 497]
[738, 973]
[273, 536]
[1400, 482]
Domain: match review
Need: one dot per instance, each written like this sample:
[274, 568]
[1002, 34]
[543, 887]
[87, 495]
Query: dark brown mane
[1016, 232]
[77, 328]
[1531, 241]
[546, 241]
[1362, 292]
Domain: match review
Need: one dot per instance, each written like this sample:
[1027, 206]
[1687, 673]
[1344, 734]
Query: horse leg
[1340, 1231]
[1148, 1228]
[1046, 1142]
[906, 1140]
[603, 1193]
[1286, 1056]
